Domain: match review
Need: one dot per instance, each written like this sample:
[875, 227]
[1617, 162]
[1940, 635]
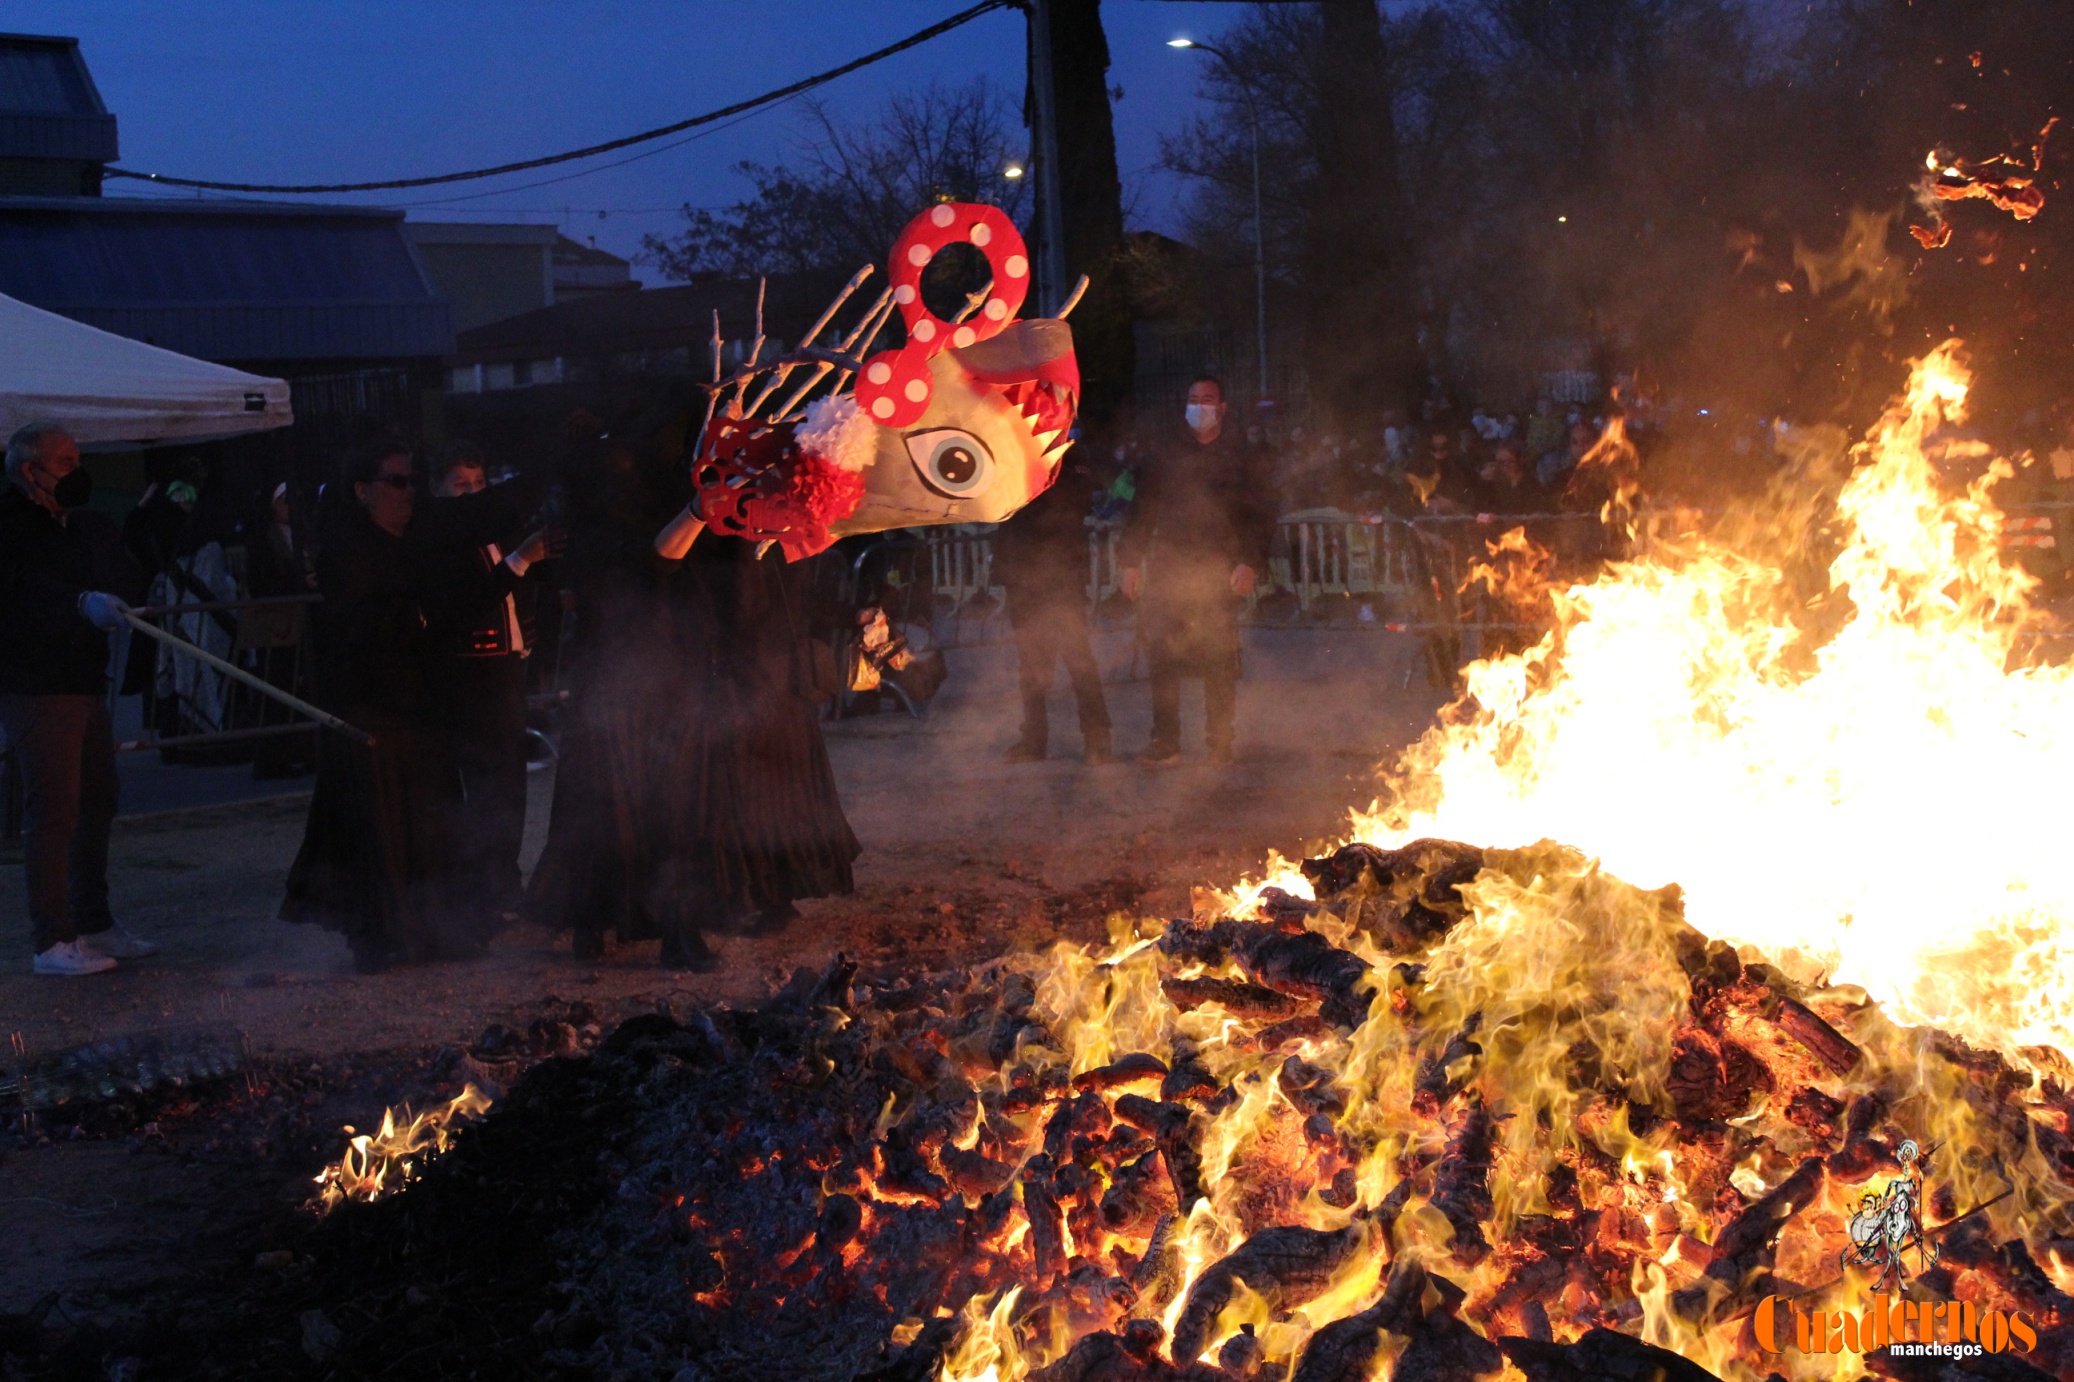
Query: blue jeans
[64, 747]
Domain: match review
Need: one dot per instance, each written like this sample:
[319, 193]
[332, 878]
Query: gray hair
[26, 445]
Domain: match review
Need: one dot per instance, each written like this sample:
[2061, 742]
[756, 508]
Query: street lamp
[1259, 226]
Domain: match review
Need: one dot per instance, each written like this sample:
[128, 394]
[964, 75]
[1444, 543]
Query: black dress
[752, 819]
[375, 855]
[597, 871]
[693, 789]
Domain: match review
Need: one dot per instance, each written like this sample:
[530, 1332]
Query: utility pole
[1051, 220]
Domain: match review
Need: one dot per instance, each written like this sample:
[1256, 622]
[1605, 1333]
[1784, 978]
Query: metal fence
[1321, 560]
[188, 705]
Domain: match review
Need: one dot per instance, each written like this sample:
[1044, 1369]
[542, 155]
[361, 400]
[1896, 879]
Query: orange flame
[1896, 781]
[383, 1162]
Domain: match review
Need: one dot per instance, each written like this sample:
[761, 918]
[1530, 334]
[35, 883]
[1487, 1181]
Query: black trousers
[484, 706]
[1190, 634]
[1051, 629]
[65, 748]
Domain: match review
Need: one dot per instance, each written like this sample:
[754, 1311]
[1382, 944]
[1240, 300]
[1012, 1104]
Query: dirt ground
[964, 857]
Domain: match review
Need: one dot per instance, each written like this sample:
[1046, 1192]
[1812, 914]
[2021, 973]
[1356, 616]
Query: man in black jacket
[1193, 548]
[63, 577]
[1040, 557]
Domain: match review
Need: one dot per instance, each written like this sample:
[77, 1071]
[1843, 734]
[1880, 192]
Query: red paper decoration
[895, 386]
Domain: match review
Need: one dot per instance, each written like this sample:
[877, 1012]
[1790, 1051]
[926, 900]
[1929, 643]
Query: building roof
[226, 280]
[574, 253]
[655, 319]
[478, 233]
[49, 107]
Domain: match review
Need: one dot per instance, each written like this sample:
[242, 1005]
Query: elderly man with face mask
[64, 576]
[1192, 550]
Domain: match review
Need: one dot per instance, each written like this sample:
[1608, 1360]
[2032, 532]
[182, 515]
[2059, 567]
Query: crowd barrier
[189, 705]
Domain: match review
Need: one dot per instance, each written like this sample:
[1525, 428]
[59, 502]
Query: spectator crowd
[456, 609]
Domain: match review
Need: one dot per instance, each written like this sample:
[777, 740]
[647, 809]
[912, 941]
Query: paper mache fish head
[966, 423]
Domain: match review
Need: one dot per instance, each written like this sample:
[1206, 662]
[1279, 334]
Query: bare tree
[849, 189]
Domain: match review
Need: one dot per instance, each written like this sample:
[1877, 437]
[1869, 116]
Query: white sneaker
[71, 957]
[117, 944]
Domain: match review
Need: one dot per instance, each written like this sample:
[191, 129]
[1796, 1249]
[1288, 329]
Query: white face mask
[1202, 416]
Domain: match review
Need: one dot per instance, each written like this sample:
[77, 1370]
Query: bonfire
[1693, 1006]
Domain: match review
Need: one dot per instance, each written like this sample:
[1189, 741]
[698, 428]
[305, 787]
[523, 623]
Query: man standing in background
[1193, 550]
[64, 579]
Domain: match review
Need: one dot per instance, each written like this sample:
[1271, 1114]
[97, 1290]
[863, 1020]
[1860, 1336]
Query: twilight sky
[359, 90]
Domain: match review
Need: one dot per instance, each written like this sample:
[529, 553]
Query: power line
[740, 107]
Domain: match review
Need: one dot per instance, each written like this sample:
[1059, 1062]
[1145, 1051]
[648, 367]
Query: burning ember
[2004, 181]
[1439, 1111]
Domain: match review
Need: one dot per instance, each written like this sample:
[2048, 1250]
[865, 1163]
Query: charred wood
[1288, 1264]
[1602, 1355]
[1712, 1078]
[1047, 1219]
[1235, 996]
[1816, 1114]
[1138, 1196]
[1085, 1115]
[1173, 1131]
[1828, 1045]
[1308, 1027]
[1344, 1351]
[1133, 1069]
[974, 1174]
[1407, 897]
[1158, 1272]
[1188, 1078]
[1743, 1252]
[1241, 1356]
[1862, 1154]
[1441, 1077]
[1443, 1349]
[1462, 1181]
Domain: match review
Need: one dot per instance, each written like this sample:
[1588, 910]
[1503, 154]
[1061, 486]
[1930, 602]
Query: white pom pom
[839, 432]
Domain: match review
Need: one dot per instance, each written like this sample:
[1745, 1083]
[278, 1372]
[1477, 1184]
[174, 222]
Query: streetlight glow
[1180, 43]
[1012, 171]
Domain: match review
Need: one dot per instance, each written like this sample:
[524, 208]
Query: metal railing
[942, 579]
[189, 705]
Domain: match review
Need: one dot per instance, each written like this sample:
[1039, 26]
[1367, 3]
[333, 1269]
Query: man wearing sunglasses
[376, 850]
[64, 576]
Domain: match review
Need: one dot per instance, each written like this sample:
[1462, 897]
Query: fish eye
[954, 464]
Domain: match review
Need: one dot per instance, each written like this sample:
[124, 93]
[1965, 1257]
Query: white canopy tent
[101, 387]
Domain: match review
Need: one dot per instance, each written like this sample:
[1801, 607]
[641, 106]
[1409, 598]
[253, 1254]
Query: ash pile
[1470, 1110]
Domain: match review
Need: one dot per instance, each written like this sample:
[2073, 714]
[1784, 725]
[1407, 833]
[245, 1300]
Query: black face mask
[74, 490]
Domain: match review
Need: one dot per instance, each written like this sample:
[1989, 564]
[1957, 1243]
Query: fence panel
[189, 705]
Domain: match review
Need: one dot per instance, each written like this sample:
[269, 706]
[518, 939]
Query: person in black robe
[752, 819]
[597, 872]
[693, 790]
[376, 851]
[474, 564]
